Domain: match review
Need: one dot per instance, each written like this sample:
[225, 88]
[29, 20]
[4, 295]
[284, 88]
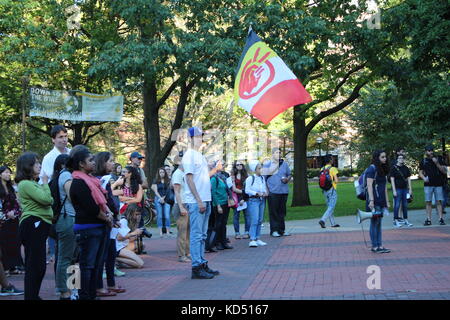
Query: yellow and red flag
[264, 85]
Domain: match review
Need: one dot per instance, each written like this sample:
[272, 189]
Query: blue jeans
[199, 229]
[255, 208]
[331, 198]
[90, 243]
[162, 210]
[236, 221]
[401, 199]
[375, 229]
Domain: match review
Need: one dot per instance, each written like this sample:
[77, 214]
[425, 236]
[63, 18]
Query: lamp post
[319, 141]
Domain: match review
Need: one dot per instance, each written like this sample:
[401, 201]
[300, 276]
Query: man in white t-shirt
[197, 198]
[59, 139]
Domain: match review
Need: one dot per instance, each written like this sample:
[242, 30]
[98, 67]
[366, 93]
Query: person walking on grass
[329, 175]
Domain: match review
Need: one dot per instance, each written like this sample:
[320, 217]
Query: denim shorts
[438, 193]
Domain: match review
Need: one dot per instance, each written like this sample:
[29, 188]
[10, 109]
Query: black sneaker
[322, 224]
[335, 226]
[427, 223]
[384, 250]
[200, 273]
[207, 269]
[441, 222]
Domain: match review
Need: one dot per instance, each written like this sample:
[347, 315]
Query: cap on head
[136, 155]
[253, 164]
[429, 148]
[195, 131]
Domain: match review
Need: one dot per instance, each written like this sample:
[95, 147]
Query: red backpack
[325, 181]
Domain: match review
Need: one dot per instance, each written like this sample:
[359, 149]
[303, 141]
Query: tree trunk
[151, 125]
[77, 134]
[300, 191]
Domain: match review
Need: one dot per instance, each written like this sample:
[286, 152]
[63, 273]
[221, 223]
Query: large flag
[264, 85]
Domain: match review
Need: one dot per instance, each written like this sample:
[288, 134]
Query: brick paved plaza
[319, 265]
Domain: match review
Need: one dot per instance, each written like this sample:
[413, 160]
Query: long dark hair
[75, 158]
[382, 168]
[100, 163]
[166, 176]
[129, 216]
[25, 164]
[135, 179]
[9, 184]
[235, 171]
[60, 161]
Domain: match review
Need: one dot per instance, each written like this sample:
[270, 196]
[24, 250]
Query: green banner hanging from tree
[75, 106]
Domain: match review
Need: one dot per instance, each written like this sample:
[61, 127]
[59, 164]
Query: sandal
[106, 294]
[119, 289]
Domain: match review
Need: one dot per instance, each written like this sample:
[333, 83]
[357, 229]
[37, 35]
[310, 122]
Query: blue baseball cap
[136, 155]
[195, 131]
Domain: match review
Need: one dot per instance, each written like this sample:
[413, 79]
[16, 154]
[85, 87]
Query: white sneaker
[261, 243]
[286, 234]
[275, 234]
[398, 224]
[253, 244]
[406, 222]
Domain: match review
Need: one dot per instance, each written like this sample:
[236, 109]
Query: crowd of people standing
[90, 208]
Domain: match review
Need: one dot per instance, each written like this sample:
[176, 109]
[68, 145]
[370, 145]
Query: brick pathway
[322, 265]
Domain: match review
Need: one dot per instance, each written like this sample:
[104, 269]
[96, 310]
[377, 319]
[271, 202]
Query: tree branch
[93, 135]
[336, 90]
[168, 92]
[354, 95]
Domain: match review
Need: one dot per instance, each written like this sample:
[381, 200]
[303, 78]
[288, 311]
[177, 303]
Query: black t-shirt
[436, 177]
[86, 210]
[162, 188]
[400, 175]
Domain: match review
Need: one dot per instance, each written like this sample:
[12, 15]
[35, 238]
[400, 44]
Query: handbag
[170, 197]
[233, 201]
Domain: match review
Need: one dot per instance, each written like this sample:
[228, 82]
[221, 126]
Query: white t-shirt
[123, 231]
[48, 162]
[178, 178]
[195, 163]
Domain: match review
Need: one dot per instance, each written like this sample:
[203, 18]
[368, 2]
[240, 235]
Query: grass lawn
[347, 203]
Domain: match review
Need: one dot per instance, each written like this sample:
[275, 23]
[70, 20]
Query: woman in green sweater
[36, 203]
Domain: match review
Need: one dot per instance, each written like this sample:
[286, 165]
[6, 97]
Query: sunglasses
[239, 164]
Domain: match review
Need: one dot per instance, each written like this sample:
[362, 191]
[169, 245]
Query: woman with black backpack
[377, 199]
[64, 217]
